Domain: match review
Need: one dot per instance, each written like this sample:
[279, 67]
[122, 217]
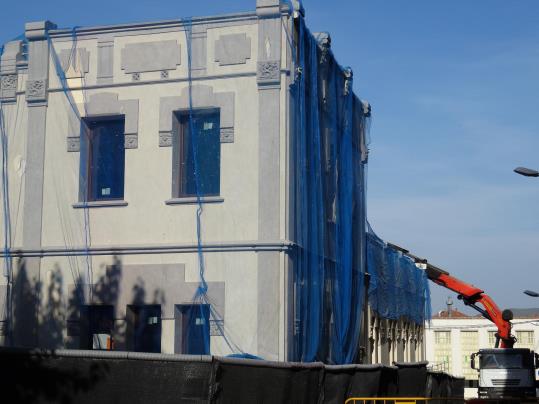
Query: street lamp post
[527, 172]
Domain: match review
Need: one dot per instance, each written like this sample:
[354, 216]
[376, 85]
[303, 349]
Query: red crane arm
[473, 296]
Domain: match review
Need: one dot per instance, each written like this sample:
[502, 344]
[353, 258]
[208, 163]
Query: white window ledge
[194, 200]
[100, 204]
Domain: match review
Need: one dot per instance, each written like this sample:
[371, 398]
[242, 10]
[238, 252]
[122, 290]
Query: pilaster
[269, 92]
[26, 294]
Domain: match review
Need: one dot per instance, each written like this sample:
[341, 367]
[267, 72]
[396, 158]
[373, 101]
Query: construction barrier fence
[30, 376]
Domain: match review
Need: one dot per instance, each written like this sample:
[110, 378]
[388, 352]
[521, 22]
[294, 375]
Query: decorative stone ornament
[9, 82]
[36, 90]
[131, 141]
[108, 104]
[8, 87]
[268, 72]
[202, 97]
[165, 139]
[73, 144]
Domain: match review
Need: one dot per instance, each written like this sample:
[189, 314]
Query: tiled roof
[454, 314]
[517, 313]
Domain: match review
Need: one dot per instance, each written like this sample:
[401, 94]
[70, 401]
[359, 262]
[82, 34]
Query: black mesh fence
[253, 381]
[443, 385]
[121, 377]
[412, 379]
[77, 377]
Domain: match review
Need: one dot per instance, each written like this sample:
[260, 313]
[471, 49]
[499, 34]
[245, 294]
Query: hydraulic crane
[504, 372]
[471, 296]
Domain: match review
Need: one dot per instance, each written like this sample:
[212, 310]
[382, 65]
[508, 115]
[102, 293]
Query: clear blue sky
[454, 88]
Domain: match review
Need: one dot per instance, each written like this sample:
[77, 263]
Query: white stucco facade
[60, 243]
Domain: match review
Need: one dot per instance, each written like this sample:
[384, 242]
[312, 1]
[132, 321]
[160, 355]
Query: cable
[201, 297]
[8, 269]
[74, 59]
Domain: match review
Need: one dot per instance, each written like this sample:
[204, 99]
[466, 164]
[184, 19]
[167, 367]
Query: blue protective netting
[398, 288]
[329, 206]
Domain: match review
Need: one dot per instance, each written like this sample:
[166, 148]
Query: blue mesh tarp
[397, 288]
[329, 206]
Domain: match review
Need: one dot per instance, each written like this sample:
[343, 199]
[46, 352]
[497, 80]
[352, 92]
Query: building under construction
[195, 186]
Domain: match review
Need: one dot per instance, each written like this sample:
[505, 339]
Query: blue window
[197, 147]
[193, 329]
[104, 164]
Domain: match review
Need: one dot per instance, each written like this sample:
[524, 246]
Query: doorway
[192, 329]
[96, 320]
[144, 328]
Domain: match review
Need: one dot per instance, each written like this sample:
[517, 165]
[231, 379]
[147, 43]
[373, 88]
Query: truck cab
[506, 372]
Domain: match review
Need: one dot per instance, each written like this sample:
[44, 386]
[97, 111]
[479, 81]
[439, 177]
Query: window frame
[178, 155]
[445, 333]
[182, 331]
[138, 332]
[530, 337]
[86, 196]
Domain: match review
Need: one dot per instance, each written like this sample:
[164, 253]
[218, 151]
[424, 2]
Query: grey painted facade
[142, 250]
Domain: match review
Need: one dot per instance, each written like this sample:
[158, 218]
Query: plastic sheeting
[397, 288]
[329, 206]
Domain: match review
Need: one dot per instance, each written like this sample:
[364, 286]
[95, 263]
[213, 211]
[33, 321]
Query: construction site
[185, 220]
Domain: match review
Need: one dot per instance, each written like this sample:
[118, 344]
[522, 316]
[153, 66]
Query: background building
[453, 336]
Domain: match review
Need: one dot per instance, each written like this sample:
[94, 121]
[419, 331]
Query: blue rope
[203, 286]
[201, 296]
[62, 77]
[60, 73]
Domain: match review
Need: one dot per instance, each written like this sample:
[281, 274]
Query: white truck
[506, 373]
